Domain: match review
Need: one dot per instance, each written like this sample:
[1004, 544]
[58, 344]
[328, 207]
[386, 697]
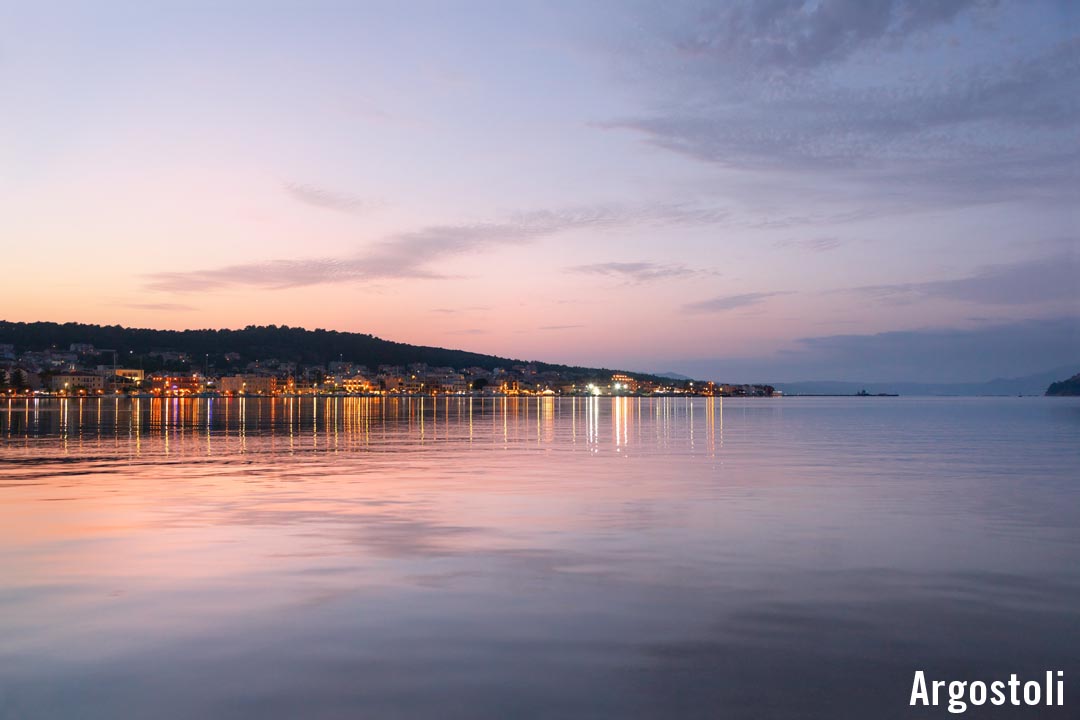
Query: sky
[776, 190]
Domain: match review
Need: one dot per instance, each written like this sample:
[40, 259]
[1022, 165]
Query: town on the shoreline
[85, 371]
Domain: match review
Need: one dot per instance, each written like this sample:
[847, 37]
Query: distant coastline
[79, 360]
[858, 394]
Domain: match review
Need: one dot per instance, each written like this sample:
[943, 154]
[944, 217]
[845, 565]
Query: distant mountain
[673, 376]
[283, 343]
[1027, 385]
[1065, 387]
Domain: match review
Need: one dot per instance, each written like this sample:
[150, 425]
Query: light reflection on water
[530, 557]
[223, 426]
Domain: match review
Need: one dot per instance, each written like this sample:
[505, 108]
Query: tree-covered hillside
[1065, 387]
[287, 344]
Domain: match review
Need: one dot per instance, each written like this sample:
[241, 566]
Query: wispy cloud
[804, 128]
[1042, 280]
[943, 354]
[410, 255]
[795, 35]
[277, 274]
[559, 327]
[729, 302]
[325, 199]
[969, 353]
[818, 244]
[162, 307]
[636, 272]
[455, 311]
[780, 86]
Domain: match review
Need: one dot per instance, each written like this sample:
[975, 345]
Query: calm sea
[533, 558]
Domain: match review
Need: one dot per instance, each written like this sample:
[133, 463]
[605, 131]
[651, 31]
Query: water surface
[532, 558]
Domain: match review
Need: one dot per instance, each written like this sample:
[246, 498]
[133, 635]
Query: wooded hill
[1065, 387]
[287, 344]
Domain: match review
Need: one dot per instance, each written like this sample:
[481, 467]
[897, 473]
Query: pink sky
[578, 185]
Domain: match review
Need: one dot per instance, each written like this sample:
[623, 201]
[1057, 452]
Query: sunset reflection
[602, 537]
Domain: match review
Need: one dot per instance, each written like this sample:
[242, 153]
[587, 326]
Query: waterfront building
[621, 382]
[179, 384]
[357, 384]
[248, 385]
[73, 382]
